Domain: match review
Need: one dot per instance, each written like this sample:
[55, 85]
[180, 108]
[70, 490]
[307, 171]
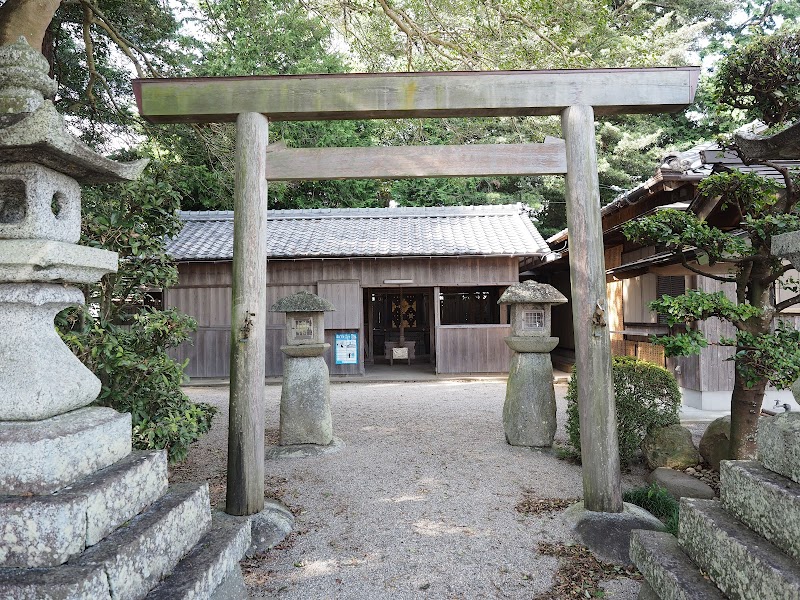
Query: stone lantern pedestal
[306, 394]
[529, 412]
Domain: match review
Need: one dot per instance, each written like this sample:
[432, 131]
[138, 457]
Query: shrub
[658, 502]
[139, 377]
[646, 396]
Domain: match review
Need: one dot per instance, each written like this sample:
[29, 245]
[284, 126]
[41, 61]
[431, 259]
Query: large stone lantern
[529, 412]
[305, 397]
[81, 514]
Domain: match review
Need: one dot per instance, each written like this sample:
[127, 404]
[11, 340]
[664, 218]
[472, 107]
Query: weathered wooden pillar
[599, 446]
[245, 492]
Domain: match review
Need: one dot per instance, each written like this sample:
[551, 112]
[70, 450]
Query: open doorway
[399, 318]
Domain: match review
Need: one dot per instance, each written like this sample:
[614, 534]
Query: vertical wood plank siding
[204, 292]
[472, 349]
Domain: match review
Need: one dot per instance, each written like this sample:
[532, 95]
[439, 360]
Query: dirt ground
[419, 504]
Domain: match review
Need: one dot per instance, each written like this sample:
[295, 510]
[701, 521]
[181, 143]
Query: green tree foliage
[646, 397]
[751, 79]
[763, 352]
[118, 335]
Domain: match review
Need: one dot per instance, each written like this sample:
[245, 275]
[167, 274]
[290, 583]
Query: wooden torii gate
[577, 95]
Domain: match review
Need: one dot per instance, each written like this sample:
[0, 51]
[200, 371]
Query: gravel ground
[419, 504]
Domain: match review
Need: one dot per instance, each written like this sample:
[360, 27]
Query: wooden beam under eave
[398, 162]
[416, 95]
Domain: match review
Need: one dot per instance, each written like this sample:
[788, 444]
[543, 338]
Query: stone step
[779, 444]
[742, 564]
[766, 502]
[214, 559]
[60, 583]
[41, 457]
[139, 555]
[44, 531]
[668, 572]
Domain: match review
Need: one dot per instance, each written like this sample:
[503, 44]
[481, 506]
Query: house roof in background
[504, 230]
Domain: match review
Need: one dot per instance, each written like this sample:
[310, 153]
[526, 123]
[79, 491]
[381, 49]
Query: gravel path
[419, 504]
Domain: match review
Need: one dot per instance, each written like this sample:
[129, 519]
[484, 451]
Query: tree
[765, 353]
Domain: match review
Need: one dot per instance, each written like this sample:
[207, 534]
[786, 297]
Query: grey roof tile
[371, 232]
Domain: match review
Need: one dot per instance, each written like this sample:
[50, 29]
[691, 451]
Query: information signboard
[346, 349]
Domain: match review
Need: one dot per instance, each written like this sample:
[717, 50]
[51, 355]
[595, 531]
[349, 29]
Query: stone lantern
[305, 396]
[529, 412]
[81, 514]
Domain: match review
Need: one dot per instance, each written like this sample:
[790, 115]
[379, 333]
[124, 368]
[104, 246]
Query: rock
[680, 485]
[714, 445]
[691, 471]
[608, 534]
[669, 446]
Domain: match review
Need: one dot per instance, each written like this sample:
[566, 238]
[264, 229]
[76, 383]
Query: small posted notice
[346, 348]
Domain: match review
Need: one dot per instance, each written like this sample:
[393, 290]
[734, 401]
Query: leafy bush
[658, 502]
[646, 396]
[139, 377]
[119, 335]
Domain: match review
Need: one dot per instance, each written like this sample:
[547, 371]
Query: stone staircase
[744, 546]
[118, 532]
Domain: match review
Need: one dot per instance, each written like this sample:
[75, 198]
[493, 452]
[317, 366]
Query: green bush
[139, 377]
[658, 502]
[646, 396]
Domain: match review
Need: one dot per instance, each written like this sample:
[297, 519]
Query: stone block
[66, 582]
[669, 574]
[529, 411]
[741, 563]
[120, 492]
[779, 444]
[212, 560]
[139, 555]
[38, 203]
[679, 484]
[714, 445]
[305, 402]
[766, 502]
[39, 376]
[43, 531]
[48, 261]
[41, 457]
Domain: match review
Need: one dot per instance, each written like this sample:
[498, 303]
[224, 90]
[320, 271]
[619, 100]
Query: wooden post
[598, 423]
[245, 492]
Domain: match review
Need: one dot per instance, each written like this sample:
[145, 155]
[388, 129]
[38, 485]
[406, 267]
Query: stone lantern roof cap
[532, 292]
[32, 130]
[302, 302]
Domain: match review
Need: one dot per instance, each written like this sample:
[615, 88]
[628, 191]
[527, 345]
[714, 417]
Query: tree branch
[787, 303]
[686, 264]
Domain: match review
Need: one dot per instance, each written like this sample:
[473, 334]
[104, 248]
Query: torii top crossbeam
[416, 95]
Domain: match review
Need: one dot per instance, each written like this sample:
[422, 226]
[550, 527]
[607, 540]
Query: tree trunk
[29, 18]
[745, 410]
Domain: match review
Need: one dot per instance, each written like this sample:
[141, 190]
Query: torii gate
[577, 95]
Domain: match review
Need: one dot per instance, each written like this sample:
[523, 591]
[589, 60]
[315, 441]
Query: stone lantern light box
[531, 315]
[305, 318]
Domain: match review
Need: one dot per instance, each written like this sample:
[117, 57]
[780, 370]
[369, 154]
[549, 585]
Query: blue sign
[346, 350]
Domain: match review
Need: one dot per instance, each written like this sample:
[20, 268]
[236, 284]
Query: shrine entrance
[399, 318]
[576, 95]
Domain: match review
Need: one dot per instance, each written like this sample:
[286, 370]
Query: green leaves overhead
[681, 230]
[762, 78]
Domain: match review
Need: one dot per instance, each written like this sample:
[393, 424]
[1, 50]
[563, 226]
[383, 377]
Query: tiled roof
[369, 232]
